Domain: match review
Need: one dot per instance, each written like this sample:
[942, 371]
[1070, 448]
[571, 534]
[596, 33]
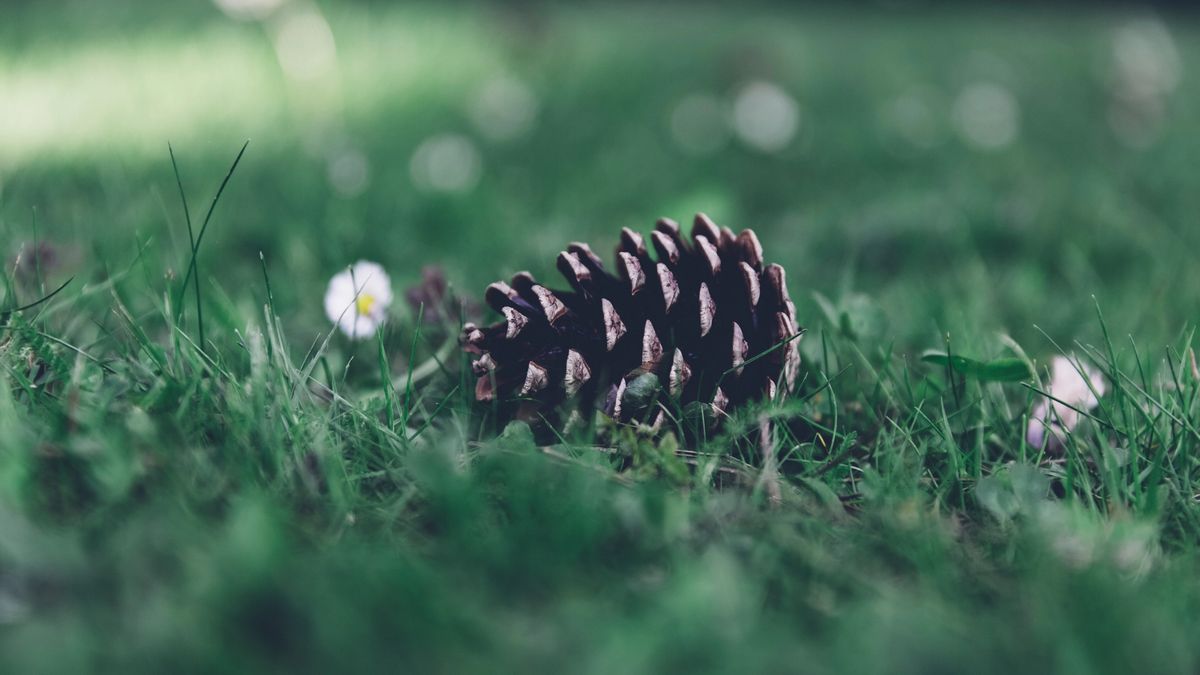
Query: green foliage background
[171, 506]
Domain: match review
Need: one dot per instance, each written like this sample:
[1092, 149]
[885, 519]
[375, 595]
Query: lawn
[209, 477]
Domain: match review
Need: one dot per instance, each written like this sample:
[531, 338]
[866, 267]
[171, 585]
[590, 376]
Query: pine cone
[436, 302]
[705, 322]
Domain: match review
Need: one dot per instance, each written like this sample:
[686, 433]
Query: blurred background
[922, 169]
[961, 168]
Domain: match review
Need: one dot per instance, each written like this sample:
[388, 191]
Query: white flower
[1076, 386]
[358, 298]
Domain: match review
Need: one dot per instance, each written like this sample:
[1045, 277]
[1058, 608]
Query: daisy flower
[1078, 386]
[358, 298]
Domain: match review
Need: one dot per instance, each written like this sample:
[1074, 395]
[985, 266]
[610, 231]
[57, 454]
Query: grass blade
[191, 270]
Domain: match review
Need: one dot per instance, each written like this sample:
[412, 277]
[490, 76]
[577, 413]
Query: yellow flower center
[364, 303]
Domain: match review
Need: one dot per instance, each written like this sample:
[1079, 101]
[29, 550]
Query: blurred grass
[202, 513]
[947, 238]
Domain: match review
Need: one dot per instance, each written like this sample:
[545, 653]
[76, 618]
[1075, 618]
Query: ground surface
[1019, 181]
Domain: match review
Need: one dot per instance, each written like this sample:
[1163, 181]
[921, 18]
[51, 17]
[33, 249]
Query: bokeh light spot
[446, 163]
[349, 173]
[987, 115]
[249, 10]
[699, 124]
[304, 45]
[504, 108]
[765, 116]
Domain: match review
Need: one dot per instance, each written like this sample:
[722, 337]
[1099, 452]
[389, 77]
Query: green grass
[262, 494]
